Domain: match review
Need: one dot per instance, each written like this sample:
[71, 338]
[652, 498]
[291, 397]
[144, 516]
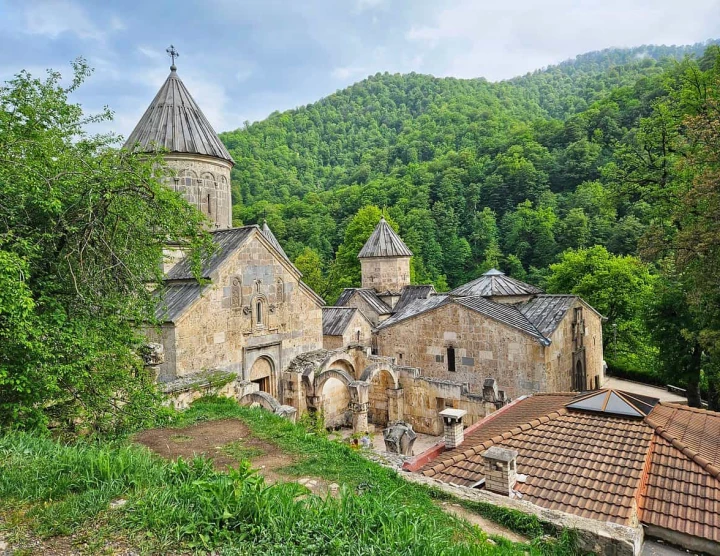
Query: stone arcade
[388, 351]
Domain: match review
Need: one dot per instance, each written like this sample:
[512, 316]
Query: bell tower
[199, 160]
[385, 261]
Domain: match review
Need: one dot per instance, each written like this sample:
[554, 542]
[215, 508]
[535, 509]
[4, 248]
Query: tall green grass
[189, 504]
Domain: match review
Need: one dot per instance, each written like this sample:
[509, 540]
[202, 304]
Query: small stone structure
[454, 431]
[399, 438]
[500, 470]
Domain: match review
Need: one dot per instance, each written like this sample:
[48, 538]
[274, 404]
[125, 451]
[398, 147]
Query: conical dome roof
[384, 242]
[174, 121]
[494, 284]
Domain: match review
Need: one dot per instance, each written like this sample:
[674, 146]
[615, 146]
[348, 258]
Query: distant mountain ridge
[475, 173]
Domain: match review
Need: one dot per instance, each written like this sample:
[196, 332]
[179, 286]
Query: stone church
[386, 351]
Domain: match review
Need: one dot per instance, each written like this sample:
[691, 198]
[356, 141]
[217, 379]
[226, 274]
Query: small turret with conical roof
[385, 260]
[174, 122]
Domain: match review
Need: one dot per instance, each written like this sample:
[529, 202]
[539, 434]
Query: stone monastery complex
[496, 355]
[387, 351]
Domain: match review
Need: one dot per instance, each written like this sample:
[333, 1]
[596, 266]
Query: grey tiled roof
[267, 232]
[336, 319]
[495, 283]
[176, 298]
[378, 305]
[227, 241]
[175, 122]
[505, 313]
[546, 311]
[384, 242]
[414, 308]
[411, 293]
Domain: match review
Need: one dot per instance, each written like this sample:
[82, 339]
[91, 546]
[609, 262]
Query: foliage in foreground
[81, 236]
[63, 488]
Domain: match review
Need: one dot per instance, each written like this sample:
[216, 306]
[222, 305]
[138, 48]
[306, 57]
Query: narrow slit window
[209, 205]
[451, 359]
[259, 312]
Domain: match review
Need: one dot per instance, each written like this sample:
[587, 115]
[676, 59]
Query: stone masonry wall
[425, 397]
[484, 348]
[359, 303]
[385, 273]
[559, 355]
[358, 323]
[336, 401]
[221, 330]
[205, 183]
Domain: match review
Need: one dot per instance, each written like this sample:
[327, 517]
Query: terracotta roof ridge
[688, 452]
[497, 439]
[683, 407]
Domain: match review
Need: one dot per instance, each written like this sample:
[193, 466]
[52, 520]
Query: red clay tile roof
[680, 495]
[524, 410]
[696, 429]
[603, 466]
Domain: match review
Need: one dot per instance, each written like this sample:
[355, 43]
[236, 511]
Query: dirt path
[225, 442]
[490, 527]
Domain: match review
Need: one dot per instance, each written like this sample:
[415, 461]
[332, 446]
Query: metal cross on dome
[173, 54]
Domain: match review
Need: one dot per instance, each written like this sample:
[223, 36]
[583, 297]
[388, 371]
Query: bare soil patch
[225, 442]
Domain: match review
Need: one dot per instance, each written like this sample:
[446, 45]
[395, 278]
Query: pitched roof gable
[368, 295]
[384, 242]
[267, 232]
[411, 293]
[174, 121]
[501, 312]
[600, 465]
[227, 242]
[335, 320]
[181, 290]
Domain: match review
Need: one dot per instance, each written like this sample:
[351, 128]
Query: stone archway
[263, 399]
[262, 373]
[338, 361]
[333, 397]
[385, 398]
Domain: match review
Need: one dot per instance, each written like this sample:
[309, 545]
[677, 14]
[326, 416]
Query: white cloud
[500, 40]
[52, 19]
[117, 24]
[362, 5]
[347, 72]
[151, 53]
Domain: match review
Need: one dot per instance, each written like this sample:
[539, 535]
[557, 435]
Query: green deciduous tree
[619, 287]
[81, 236]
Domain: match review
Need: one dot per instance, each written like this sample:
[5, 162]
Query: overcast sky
[243, 59]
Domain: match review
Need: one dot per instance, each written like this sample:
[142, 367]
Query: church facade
[386, 351]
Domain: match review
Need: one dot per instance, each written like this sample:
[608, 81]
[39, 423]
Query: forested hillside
[519, 175]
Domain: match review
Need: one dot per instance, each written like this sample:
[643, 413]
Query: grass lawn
[108, 496]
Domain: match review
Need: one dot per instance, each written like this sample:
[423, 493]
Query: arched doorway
[378, 398]
[261, 373]
[331, 388]
[579, 378]
[336, 403]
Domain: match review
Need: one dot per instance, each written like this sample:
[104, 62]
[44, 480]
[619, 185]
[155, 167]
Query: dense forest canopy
[517, 175]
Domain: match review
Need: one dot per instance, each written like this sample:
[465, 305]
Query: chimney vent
[454, 434]
[500, 470]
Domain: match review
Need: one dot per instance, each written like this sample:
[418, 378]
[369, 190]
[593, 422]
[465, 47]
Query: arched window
[259, 309]
[189, 178]
[451, 359]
